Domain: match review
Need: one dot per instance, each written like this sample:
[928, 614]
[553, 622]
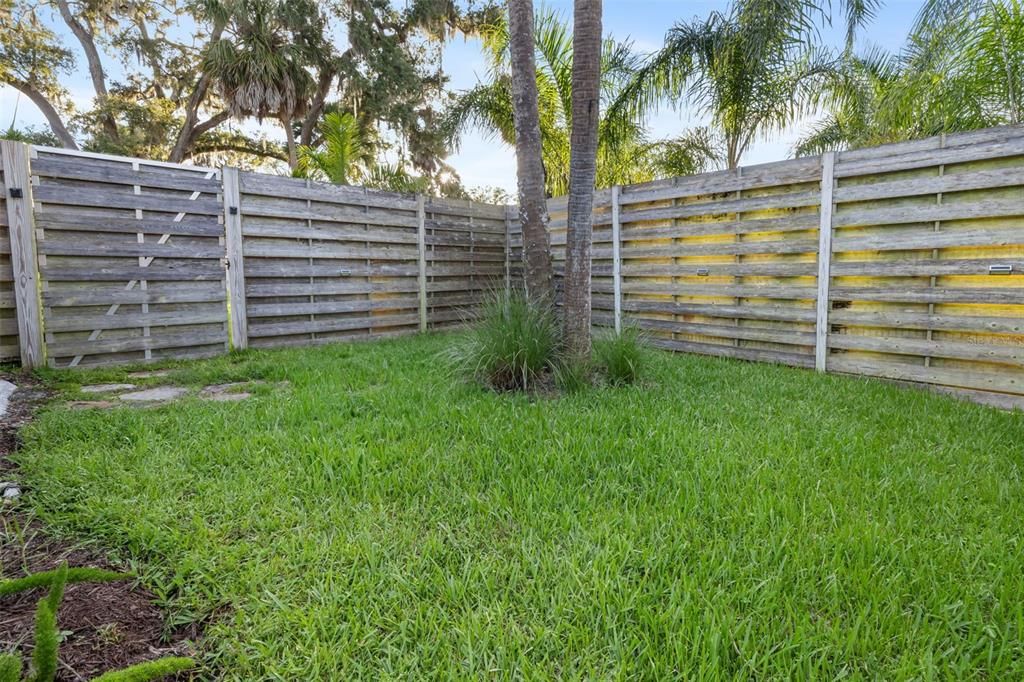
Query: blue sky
[482, 161]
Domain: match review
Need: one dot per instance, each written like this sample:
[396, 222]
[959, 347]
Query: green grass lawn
[380, 519]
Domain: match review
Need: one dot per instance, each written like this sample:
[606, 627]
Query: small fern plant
[43, 666]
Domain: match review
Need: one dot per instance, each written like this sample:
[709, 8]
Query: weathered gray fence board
[52, 218]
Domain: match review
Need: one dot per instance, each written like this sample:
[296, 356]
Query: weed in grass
[728, 521]
[622, 355]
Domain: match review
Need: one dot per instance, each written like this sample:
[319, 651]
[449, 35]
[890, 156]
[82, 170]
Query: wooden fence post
[617, 258]
[421, 242]
[235, 258]
[824, 262]
[21, 226]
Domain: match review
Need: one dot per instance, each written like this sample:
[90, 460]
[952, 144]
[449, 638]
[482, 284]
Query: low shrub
[621, 356]
[514, 343]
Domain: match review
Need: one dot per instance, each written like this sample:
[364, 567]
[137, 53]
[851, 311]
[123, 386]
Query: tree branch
[49, 111]
[238, 147]
[313, 115]
[210, 123]
[187, 134]
[92, 55]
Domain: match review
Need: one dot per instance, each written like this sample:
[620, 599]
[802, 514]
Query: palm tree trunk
[732, 150]
[533, 210]
[586, 83]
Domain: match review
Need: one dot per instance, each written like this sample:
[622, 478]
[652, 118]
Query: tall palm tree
[753, 69]
[258, 64]
[586, 118]
[533, 212]
[858, 100]
[962, 69]
[625, 154]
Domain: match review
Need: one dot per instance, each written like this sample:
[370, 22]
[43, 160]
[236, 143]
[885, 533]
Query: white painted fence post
[824, 262]
[617, 258]
[235, 259]
[21, 226]
[421, 242]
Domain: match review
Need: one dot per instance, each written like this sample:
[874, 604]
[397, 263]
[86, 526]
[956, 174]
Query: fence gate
[8, 317]
[130, 258]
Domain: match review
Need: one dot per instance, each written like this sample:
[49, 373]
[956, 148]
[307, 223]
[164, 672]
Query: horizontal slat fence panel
[722, 263]
[928, 263]
[924, 262]
[130, 259]
[465, 258]
[326, 262]
[329, 262]
[601, 282]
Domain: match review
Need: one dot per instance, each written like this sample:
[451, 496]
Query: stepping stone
[9, 490]
[152, 395]
[151, 374]
[6, 389]
[227, 392]
[91, 404]
[106, 388]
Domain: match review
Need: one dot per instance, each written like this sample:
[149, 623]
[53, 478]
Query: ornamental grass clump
[621, 356]
[514, 344]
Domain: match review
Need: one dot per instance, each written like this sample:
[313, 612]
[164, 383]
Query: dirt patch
[106, 626]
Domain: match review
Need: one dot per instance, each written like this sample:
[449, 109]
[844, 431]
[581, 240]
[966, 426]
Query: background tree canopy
[195, 67]
[191, 79]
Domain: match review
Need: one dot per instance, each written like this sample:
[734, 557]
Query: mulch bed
[106, 626]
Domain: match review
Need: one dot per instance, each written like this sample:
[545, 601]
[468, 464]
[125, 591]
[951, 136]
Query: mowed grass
[381, 519]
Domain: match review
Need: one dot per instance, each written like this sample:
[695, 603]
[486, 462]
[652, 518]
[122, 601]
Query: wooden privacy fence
[904, 262]
[111, 260]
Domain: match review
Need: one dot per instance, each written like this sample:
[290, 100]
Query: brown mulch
[106, 626]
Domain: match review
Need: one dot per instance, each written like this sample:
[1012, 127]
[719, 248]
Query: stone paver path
[157, 395]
